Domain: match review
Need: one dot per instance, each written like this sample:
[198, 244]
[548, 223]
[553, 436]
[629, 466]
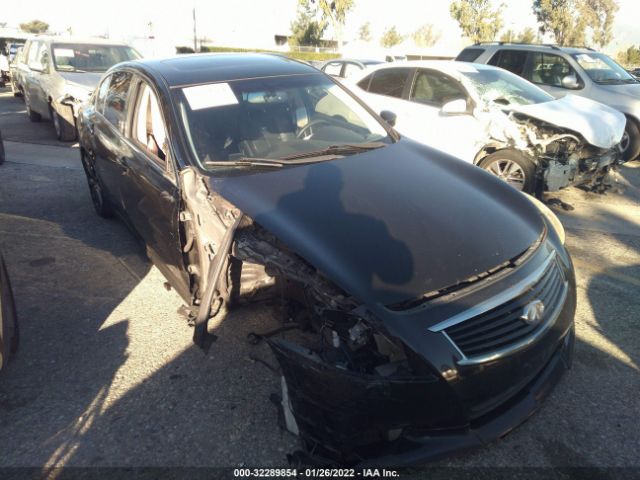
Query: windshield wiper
[332, 150]
[245, 162]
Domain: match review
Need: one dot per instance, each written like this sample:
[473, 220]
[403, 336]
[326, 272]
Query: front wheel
[512, 167]
[630, 143]
[65, 131]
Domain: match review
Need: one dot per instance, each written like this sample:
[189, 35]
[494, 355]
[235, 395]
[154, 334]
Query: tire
[512, 167]
[2, 157]
[33, 116]
[15, 90]
[630, 141]
[65, 131]
[100, 203]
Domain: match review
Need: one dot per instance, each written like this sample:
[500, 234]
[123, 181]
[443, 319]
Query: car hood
[600, 125]
[88, 80]
[390, 224]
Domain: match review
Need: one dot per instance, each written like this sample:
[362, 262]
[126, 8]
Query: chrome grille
[488, 333]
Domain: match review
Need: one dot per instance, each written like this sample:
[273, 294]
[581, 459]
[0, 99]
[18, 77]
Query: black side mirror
[389, 117]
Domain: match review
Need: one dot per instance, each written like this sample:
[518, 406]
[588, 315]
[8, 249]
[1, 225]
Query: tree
[364, 33]
[601, 15]
[478, 20]
[34, 26]
[390, 38]
[426, 36]
[305, 29]
[629, 57]
[574, 22]
[332, 12]
[528, 35]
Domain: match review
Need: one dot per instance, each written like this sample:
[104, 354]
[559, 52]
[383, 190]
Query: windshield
[496, 85]
[603, 69]
[90, 58]
[274, 118]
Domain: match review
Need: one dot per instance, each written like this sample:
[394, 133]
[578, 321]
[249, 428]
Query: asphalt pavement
[107, 374]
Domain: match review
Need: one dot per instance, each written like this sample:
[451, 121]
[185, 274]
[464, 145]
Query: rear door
[107, 122]
[387, 89]
[33, 79]
[149, 189]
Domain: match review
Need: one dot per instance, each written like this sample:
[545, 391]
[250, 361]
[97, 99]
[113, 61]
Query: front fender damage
[347, 383]
[562, 157]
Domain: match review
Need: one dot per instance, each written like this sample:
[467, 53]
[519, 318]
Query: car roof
[76, 41]
[536, 47]
[447, 66]
[194, 69]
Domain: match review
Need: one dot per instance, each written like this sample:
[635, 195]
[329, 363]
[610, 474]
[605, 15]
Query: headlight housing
[550, 216]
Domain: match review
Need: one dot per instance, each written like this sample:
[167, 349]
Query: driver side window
[435, 88]
[549, 69]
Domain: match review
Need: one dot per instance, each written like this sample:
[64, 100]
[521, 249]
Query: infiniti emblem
[533, 312]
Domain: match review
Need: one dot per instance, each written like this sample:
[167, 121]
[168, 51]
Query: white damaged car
[498, 121]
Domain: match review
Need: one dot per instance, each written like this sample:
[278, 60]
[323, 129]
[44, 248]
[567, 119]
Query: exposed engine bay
[563, 157]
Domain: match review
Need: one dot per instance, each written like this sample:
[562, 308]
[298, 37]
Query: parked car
[431, 305]
[8, 318]
[4, 70]
[59, 74]
[13, 50]
[15, 74]
[496, 120]
[346, 67]
[2, 155]
[564, 70]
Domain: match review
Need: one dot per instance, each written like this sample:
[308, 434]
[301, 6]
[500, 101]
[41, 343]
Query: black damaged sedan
[429, 305]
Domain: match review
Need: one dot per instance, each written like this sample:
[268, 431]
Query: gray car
[58, 75]
[563, 70]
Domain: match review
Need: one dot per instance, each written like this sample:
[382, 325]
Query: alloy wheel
[625, 142]
[509, 171]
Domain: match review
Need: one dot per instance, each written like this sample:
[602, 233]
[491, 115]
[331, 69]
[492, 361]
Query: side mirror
[389, 117]
[571, 82]
[455, 107]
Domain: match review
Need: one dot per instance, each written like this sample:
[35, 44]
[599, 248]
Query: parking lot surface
[107, 374]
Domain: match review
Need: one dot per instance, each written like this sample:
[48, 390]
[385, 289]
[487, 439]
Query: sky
[253, 23]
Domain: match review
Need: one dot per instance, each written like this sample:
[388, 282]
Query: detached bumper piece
[371, 421]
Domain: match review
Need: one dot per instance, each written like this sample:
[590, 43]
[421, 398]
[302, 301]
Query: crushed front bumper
[592, 171]
[449, 401]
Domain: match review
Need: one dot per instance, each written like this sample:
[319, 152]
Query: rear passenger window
[102, 94]
[116, 99]
[469, 54]
[512, 60]
[389, 82]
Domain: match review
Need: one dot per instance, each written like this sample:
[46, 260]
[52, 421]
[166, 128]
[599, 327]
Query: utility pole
[195, 38]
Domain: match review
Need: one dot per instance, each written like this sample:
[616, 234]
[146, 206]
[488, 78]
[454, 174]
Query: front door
[149, 190]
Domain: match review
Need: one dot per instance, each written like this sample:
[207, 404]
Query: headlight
[550, 216]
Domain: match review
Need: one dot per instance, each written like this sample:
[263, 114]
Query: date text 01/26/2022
[315, 472]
